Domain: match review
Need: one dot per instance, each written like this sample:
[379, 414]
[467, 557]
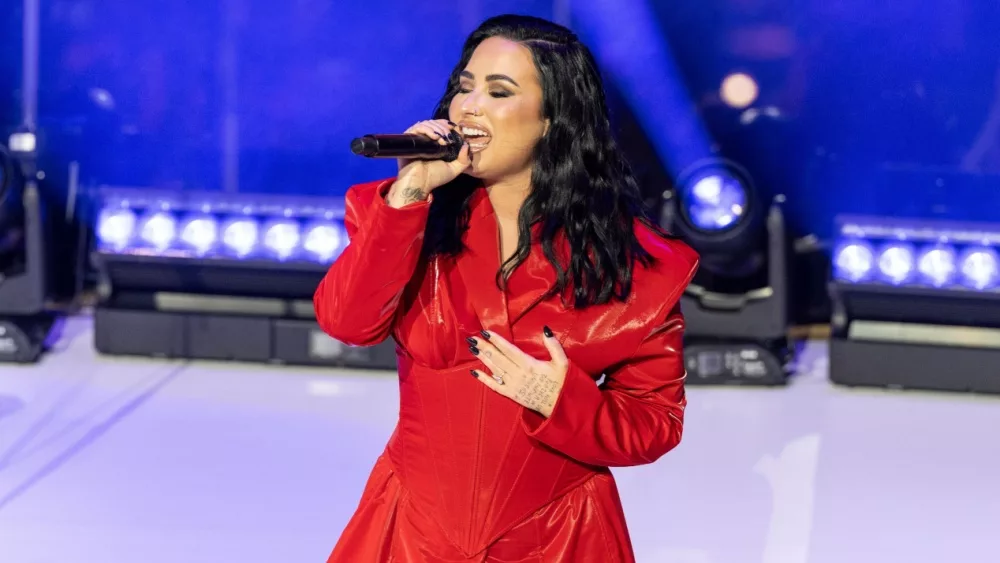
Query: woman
[527, 263]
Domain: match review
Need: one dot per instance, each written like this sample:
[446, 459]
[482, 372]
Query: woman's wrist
[402, 194]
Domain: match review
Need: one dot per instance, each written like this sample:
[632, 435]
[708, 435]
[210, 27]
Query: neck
[508, 194]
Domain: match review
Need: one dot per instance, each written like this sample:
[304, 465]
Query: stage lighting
[714, 201]
[215, 276]
[916, 304]
[24, 321]
[11, 206]
[739, 90]
[736, 308]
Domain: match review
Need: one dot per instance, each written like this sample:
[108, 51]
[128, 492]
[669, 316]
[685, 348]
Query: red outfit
[469, 475]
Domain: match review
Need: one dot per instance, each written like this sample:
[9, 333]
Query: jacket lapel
[479, 263]
[532, 279]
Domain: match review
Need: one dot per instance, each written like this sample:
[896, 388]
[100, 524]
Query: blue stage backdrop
[843, 106]
[244, 95]
[10, 67]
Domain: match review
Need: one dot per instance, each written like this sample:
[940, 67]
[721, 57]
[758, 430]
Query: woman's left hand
[532, 383]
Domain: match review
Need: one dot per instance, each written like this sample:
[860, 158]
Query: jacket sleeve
[357, 299]
[637, 414]
[635, 417]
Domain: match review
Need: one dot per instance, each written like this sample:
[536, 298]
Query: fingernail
[547, 331]
[474, 350]
[471, 341]
[485, 334]
[474, 374]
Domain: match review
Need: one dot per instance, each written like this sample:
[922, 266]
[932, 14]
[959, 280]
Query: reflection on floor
[110, 460]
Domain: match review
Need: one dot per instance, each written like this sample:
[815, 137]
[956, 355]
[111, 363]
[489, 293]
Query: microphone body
[416, 147]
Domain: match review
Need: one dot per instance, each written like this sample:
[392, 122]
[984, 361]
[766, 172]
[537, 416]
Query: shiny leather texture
[469, 475]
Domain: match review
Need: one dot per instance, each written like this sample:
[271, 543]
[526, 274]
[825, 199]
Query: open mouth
[477, 138]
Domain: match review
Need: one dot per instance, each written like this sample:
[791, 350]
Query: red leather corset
[464, 457]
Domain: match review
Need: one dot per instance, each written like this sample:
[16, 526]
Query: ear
[545, 131]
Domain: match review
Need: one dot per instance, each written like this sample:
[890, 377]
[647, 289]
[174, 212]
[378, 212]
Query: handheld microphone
[408, 146]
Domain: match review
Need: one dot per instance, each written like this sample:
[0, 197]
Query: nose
[470, 105]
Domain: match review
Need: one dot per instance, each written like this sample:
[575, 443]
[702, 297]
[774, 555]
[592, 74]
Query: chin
[483, 175]
[489, 171]
[477, 170]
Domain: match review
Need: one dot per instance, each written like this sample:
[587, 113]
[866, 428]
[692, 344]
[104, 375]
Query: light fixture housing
[737, 305]
[916, 304]
[25, 321]
[218, 276]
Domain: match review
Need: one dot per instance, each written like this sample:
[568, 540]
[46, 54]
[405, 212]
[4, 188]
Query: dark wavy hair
[581, 185]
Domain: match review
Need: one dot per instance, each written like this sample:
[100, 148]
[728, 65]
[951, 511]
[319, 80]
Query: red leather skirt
[585, 525]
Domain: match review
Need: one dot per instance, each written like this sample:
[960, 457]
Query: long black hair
[582, 188]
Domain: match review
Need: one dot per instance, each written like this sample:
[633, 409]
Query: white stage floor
[111, 460]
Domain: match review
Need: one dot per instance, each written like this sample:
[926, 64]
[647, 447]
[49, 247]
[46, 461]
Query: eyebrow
[491, 77]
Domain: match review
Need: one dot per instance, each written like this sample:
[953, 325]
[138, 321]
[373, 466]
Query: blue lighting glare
[715, 202]
[322, 240]
[980, 268]
[921, 255]
[895, 263]
[115, 227]
[853, 261]
[200, 233]
[240, 236]
[158, 230]
[223, 231]
[937, 265]
[282, 238]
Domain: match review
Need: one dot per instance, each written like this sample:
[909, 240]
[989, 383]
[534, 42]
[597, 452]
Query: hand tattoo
[538, 393]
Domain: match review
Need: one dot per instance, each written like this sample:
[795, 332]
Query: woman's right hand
[418, 178]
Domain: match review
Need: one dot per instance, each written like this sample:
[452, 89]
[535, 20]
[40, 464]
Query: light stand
[24, 321]
[736, 325]
[24, 283]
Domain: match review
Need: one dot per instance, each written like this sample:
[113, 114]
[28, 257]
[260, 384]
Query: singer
[512, 278]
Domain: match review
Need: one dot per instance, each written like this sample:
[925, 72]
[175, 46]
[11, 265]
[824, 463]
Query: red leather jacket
[475, 461]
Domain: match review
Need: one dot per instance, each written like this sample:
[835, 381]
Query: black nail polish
[474, 374]
[474, 350]
[547, 331]
[471, 341]
[485, 334]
